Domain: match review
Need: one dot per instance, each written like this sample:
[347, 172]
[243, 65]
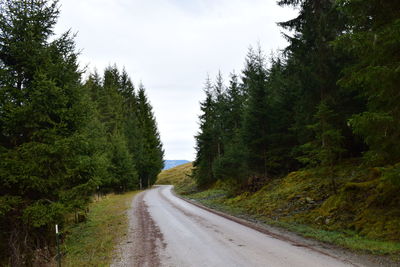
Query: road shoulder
[140, 244]
[356, 259]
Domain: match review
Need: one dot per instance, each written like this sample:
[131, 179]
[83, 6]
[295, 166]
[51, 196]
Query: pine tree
[235, 99]
[151, 161]
[114, 96]
[280, 101]
[372, 39]
[255, 123]
[221, 113]
[317, 66]
[230, 165]
[48, 161]
[132, 128]
[206, 143]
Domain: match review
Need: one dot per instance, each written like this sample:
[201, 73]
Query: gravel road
[168, 231]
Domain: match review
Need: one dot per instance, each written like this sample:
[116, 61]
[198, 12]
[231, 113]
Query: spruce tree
[113, 97]
[320, 118]
[151, 161]
[48, 163]
[280, 101]
[255, 123]
[132, 128]
[206, 143]
[230, 165]
[221, 113]
[372, 38]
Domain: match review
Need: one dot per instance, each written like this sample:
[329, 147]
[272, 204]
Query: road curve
[168, 231]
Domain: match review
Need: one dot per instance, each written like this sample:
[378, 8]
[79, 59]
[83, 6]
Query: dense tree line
[62, 138]
[331, 94]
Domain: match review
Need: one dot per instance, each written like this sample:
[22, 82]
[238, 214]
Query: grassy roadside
[362, 216]
[217, 199]
[92, 243]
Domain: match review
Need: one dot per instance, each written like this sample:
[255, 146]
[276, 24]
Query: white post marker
[58, 248]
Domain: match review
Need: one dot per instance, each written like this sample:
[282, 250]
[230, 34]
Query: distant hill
[179, 176]
[172, 163]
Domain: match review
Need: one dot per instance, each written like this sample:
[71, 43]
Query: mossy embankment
[361, 212]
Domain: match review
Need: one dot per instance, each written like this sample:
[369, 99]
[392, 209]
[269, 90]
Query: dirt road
[167, 231]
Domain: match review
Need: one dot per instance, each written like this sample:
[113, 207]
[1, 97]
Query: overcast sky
[171, 46]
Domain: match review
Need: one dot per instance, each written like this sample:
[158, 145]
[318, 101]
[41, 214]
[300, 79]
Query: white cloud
[171, 45]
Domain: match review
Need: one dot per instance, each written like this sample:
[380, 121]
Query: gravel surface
[165, 230]
[140, 247]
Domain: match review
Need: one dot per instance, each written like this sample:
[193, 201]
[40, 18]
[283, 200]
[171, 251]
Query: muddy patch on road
[149, 237]
[144, 240]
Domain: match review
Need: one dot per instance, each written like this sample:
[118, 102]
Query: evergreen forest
[329, 99]
[63, 138]
[308, 138]
[331, 96]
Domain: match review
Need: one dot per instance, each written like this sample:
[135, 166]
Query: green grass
[92, 243]
[179, 176]
[350, 240]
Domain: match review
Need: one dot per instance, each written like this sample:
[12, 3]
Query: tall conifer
[47, 164]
